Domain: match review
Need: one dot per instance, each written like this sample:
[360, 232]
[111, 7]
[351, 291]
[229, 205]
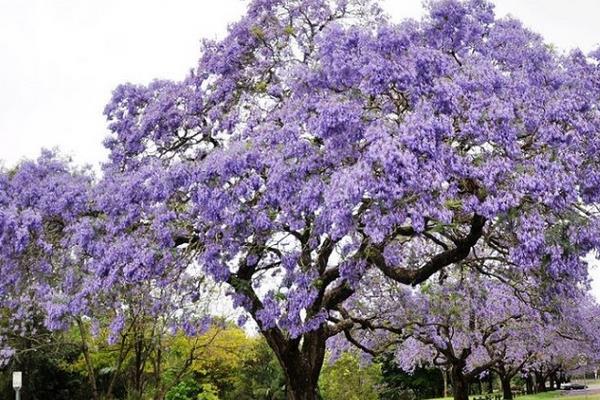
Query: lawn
[543, 396]
[557, 395]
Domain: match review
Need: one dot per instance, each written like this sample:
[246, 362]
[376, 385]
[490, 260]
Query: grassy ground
[557, 395]
[553, 395]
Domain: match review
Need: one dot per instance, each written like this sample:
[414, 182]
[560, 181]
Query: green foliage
[192, 390]
[347, 379]
[423, 383]
[186, 390]
[208, 392]
[225, 364]
[41, 359]
[259, 376]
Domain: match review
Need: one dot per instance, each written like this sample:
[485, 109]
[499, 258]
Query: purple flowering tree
[62, 267]
[472, 325]
[561, 344]
[42, 203]
[465, 324]
[318, 140]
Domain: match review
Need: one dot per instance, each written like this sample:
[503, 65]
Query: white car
[572, 386]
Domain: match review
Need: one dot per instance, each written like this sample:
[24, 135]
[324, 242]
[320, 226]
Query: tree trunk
[301, 389]
[88, 360]
[529, 384]
[506, 389]
[445, 376]
[490, 381]
[540, 382]
[301, 360]
[555, 380]
[460, 383]
[541, 386]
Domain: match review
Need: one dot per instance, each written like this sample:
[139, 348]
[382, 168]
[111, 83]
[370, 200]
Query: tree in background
[561, 344]
[459, 325]
[223, 363]
[56, 277]
[472, 325]
[348, 379]
[260, 375]
[397, 384]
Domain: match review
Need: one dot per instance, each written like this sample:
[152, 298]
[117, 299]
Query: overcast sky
[60, 59]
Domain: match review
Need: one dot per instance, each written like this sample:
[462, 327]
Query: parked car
[573, 386]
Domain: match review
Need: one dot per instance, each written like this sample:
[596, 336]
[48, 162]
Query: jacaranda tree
[466, 326]
[318, 140]
[461, 324]
[472, 325]
[61, 267]
[564, 345]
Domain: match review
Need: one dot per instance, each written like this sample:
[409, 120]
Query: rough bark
[301, 361]
[460, 383]
[506, 389]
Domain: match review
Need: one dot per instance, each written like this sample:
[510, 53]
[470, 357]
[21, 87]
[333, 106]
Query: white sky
[60, 59]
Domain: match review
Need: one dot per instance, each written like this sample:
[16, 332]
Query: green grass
[557, 395]
[546, 396]
[553, 395]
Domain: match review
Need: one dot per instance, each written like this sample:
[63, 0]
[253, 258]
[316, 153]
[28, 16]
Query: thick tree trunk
[506, 389]
[460, 383]
[301, 389]
[301, 361]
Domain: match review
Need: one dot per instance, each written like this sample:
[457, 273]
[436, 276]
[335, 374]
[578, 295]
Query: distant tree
[347, 379]
[467, 325]
[397, 384]
[260, 376]
[565, 344]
